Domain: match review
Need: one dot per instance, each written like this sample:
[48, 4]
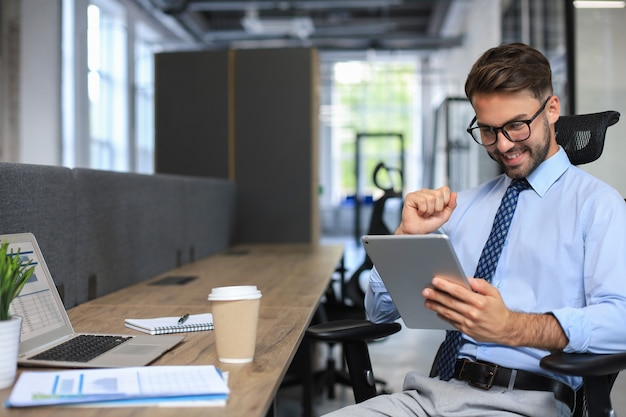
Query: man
[558, 283]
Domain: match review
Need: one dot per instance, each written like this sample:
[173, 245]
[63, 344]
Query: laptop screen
[38, 303]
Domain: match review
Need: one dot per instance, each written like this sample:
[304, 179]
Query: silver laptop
[46, 325]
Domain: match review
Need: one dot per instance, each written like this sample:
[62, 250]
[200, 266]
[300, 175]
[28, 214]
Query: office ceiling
[324, 24]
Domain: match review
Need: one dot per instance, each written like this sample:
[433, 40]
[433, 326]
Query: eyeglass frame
[527, 122]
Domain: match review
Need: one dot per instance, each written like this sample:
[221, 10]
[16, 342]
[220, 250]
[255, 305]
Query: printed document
[35, 388]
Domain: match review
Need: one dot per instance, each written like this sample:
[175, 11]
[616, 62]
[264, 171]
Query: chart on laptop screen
[36, 303]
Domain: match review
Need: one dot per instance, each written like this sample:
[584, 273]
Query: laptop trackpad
[136, 349]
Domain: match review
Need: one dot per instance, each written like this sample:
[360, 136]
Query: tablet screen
[407, 264]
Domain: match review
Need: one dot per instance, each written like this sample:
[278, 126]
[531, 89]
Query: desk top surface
[287, 275]
[292, 278]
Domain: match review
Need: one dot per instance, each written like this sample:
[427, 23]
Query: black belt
[484, 375]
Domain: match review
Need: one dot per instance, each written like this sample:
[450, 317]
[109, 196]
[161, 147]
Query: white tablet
[407, 264]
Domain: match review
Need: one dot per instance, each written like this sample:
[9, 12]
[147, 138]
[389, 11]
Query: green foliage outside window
[373, 97]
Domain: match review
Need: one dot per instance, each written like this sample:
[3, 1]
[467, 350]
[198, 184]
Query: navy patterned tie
[486, 268]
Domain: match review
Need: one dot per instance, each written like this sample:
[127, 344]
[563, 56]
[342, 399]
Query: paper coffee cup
[235, 312]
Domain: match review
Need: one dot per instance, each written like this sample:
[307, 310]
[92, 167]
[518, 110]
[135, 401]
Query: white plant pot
[9, 348]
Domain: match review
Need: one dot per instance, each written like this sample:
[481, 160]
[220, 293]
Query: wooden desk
[287, 275]
[292, 279]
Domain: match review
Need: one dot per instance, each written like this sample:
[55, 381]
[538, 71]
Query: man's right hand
[426, 210]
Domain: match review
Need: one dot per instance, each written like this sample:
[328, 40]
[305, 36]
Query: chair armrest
[351, 330]
[584, 364]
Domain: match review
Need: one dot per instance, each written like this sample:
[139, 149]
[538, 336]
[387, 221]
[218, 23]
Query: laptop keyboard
[82, 348]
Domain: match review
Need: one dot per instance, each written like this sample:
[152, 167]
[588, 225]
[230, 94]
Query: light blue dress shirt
[565, 253]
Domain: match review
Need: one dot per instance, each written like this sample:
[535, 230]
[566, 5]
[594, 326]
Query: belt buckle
[490, 375]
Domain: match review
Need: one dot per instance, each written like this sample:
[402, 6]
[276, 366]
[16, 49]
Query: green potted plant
[13, 275]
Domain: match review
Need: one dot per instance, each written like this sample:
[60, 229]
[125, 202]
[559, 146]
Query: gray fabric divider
[130, 227]
[209, 215]
[40, 199]
[100, 231]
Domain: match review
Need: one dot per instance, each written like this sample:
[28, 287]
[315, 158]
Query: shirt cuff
[576, 327]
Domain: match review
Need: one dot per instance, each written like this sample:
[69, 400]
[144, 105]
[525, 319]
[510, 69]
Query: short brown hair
[510, 68]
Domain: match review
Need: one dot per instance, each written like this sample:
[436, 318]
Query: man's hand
[480, 313]
[426, 210]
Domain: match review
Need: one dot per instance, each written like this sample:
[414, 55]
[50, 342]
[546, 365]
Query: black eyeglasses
[515, 131]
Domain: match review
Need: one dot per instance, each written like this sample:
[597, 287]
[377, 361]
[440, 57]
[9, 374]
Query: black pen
[183, 319]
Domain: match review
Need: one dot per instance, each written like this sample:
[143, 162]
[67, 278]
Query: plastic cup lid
[238, 292]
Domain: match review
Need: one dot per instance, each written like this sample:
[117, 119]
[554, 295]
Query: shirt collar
[548, 172]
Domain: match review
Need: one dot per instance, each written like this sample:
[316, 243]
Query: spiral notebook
[164, 325]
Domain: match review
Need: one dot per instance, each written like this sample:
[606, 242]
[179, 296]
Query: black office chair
[349, 303]
[582, 137]
[351, 290]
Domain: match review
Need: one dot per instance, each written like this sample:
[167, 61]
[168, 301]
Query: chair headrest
[582, 135]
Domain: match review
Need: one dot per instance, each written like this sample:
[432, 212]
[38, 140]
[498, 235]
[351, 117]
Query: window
[144, 100]
[367, 97]
[377, 100]
[107, 82]
[108, 117]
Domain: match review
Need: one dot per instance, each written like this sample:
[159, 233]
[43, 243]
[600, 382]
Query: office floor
[391, 358]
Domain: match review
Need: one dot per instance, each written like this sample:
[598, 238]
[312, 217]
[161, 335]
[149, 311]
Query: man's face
[518, 159]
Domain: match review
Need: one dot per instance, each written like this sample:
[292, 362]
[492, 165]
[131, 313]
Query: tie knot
[519, 184]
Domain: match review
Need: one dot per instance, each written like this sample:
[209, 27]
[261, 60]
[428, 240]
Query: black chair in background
[351, 293]
[348, 302]
[582, 137]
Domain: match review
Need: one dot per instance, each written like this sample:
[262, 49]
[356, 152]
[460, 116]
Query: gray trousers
[429, 397]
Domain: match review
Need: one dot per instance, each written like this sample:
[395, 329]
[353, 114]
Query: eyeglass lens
[515, 131]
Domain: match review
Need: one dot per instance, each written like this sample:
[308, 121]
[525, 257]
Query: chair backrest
[582, 136]
[377, 225]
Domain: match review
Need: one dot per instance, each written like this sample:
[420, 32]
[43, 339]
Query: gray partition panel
[129, 227]
[209, 213]
[191, 120]
[275, 146]
[41, 199]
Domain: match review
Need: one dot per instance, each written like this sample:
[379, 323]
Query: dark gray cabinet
[250, 116]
